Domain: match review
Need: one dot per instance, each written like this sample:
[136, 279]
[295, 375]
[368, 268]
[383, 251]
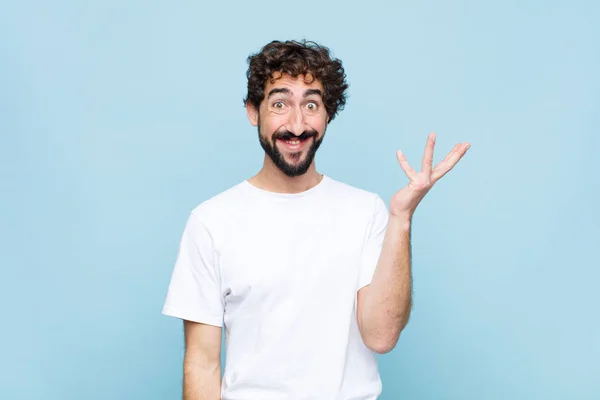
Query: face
[291, 122]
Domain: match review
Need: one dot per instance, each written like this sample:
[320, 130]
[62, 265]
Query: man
[308, 276]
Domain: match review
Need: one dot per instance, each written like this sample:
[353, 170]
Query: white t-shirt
[280, 273]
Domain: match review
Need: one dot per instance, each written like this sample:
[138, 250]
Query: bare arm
[202, 362]
[384, 306]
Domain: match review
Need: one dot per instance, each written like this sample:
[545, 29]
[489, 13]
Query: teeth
[292, 141]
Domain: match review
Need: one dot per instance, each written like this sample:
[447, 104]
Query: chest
[267, 261]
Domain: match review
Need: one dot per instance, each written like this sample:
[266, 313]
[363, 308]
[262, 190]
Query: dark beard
[287, 168]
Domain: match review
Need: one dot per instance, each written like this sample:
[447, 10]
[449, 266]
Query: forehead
[297, 85]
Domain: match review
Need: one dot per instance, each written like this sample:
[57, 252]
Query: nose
[296, 122]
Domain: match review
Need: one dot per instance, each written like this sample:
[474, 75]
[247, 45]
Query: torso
[289, 268]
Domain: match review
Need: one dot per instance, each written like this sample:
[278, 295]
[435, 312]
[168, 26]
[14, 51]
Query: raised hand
[405, 201]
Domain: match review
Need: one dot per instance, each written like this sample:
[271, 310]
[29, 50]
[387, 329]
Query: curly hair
[297, 58]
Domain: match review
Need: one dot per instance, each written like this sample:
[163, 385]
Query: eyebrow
[279, 90]
[308, 92]
[287, 91]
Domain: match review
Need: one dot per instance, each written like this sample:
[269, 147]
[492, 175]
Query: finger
[451, 154]
[427, 163]
[408, 170]
[450, 161]
[456, 147]
[442, 165]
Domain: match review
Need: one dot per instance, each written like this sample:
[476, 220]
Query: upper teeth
[292, 141]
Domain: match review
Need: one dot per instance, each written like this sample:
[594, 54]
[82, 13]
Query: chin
[296, 159]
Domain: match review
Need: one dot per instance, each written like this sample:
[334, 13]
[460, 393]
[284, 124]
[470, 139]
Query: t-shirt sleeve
[373, 242]
[194, 291]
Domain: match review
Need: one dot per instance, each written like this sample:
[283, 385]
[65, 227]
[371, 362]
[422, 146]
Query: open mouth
[293, 144]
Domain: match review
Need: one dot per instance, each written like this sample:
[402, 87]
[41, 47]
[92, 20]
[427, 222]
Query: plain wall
[118, 117]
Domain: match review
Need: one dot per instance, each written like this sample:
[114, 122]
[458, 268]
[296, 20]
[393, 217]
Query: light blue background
[117, 118]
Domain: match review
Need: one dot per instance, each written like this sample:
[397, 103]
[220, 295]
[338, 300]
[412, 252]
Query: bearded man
[309, 277]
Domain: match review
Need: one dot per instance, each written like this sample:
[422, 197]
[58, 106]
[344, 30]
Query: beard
[298, 166]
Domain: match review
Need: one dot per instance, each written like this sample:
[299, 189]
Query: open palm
[405, 201]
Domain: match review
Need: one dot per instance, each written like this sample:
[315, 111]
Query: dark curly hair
[297, 58]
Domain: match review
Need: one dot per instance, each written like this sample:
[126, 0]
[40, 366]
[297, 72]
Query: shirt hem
[187, 315]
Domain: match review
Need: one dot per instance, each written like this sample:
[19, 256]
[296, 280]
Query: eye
[278, 105]
[312, 106]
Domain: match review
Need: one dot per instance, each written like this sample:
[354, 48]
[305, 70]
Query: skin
[202, 361]
[383, 307]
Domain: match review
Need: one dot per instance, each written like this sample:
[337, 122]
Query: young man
[310, 277]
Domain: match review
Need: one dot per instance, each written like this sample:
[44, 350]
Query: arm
[384, 305]
[194, 297]
[202, 362]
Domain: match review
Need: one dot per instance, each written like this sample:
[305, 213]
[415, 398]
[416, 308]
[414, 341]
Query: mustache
[287, 135]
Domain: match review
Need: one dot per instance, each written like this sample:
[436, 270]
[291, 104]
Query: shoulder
[368, 206]
[357, 196]
[219, 205]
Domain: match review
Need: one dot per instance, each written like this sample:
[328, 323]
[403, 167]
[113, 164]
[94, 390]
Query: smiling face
[291, 122]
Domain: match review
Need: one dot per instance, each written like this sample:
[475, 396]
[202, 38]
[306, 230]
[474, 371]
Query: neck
[271, 178]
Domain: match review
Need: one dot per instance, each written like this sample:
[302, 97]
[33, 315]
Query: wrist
[402, 220]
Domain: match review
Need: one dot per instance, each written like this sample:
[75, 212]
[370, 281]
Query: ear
[252, 113]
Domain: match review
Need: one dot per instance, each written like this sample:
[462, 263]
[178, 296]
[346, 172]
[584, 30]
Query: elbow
[382, 345]
[383, 340]
[382, 349]
[381, 334]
